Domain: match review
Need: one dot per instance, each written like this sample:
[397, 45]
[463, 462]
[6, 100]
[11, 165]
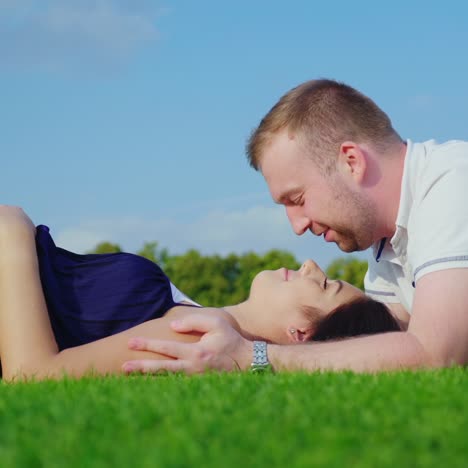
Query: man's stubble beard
[357, 232]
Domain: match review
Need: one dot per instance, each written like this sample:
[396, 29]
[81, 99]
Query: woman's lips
[286, 274]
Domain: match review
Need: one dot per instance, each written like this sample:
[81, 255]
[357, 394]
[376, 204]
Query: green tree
[206, 279]
[216, 281]
[348, 269]
[105, 247]
[250, 264]
[151, 251]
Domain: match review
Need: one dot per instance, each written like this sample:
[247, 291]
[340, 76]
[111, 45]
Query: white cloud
[79, 240]
[259, 228]
[64, 34]
[217, 231]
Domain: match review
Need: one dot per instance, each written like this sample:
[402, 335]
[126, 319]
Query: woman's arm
[27, 343]
[106, 355]
[25, 336]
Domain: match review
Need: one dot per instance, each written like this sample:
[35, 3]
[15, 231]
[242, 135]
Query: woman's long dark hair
[362, 316]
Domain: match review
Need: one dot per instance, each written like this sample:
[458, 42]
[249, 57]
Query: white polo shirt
[432, 223]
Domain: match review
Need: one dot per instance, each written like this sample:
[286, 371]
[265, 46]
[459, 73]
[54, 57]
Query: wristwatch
[260, 362]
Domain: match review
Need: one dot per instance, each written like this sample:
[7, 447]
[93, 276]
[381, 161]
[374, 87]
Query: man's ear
[352, 162]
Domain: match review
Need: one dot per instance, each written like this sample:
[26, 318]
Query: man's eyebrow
[286, 196]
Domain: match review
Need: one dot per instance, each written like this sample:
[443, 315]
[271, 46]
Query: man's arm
[399, 313]
[440, 316]
[437, 336]
[389, 351]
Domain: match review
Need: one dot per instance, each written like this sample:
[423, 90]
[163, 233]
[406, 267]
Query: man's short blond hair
[326, 113]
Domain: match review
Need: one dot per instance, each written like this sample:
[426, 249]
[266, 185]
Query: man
[333, 159]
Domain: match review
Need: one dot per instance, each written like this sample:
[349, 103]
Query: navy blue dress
[96, 295]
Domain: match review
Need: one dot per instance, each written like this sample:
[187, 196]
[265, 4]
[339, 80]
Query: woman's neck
[246, 317]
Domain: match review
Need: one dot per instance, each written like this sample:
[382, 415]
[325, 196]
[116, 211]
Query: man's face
[328, 205]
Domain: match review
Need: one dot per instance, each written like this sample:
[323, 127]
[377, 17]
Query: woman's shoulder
[181, 311]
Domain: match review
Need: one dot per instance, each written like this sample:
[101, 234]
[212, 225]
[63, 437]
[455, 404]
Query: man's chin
[345, 248]
[351, 246]
[347, 245]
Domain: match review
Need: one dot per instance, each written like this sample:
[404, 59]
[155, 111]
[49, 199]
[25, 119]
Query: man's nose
[299, 223]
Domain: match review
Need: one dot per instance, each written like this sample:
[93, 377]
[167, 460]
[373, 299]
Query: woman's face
[280, 296]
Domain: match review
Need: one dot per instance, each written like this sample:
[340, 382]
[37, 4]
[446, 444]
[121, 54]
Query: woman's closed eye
[325, 283]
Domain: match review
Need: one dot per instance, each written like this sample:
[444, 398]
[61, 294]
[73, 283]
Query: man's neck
[387, 193]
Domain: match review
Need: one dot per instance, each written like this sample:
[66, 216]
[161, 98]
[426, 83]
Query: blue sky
[126, 120]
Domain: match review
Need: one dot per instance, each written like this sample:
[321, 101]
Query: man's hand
[220, 348]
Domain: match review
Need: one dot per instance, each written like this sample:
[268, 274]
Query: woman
[66, 313]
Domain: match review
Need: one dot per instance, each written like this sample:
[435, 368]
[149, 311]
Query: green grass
[239, 420]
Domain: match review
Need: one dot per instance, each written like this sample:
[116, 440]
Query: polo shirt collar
[389, 249]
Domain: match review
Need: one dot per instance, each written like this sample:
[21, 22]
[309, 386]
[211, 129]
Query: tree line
[215, 280]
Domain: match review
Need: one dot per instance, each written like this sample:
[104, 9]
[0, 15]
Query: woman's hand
[220, 348]
[13, 217]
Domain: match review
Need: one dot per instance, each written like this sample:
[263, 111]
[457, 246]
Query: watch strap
[260, 360]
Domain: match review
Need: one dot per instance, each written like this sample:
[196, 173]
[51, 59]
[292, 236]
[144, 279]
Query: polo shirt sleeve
[379, 283]
[438, 226]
